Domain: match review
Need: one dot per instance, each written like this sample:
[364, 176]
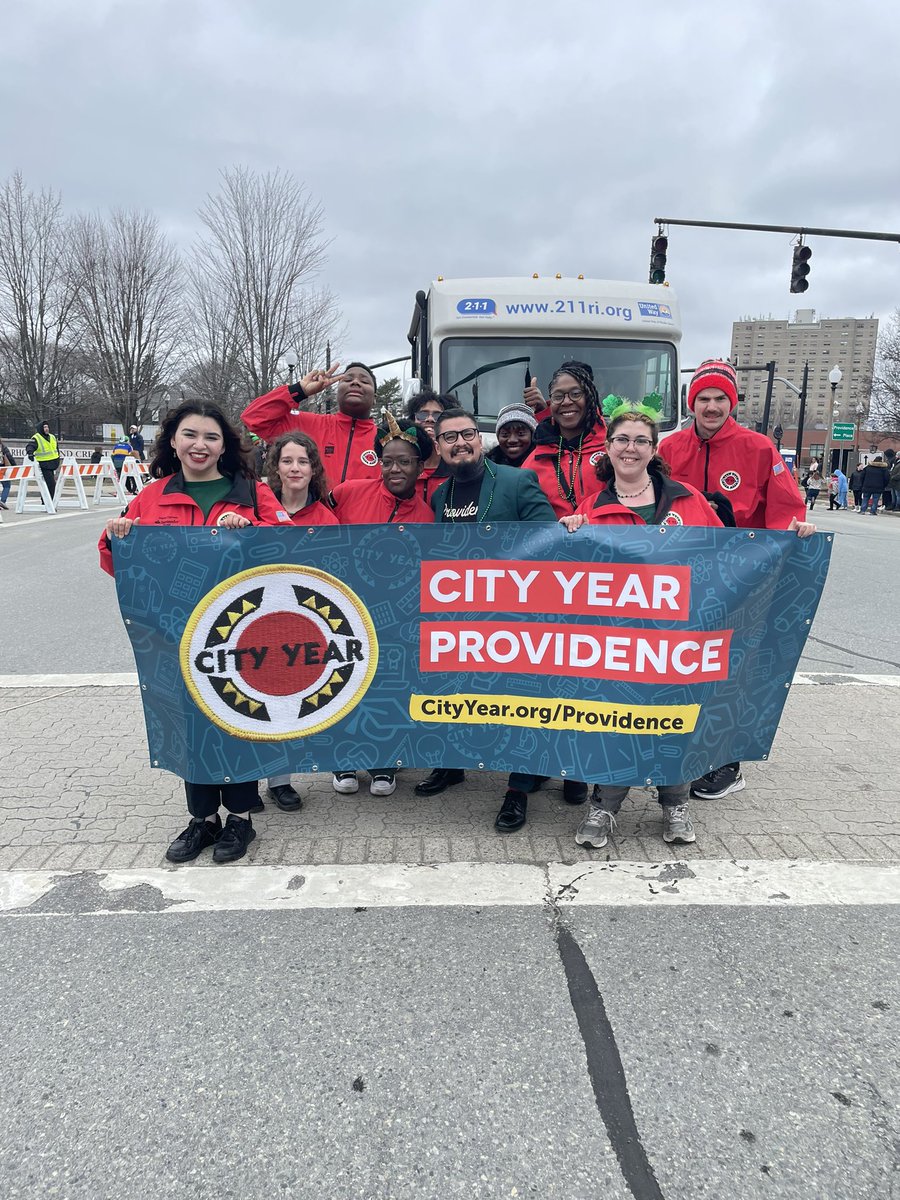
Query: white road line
[768, 884]
[26, 519]
[130, 679]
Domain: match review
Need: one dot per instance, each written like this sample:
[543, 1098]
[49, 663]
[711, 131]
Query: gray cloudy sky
[487, 137]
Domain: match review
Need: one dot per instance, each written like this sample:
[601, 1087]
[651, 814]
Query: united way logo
[730, 481]
[278, 652]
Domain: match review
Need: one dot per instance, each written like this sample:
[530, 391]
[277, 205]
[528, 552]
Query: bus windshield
[488, 373]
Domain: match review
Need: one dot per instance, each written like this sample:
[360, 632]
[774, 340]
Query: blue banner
[610, 655]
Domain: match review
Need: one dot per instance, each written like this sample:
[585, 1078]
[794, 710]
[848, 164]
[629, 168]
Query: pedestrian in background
[894, 481]
[423, 409]
[875, 480]
[856, 478]
[6, 460]
[813, 485]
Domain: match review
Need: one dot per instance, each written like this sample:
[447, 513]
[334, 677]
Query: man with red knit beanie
[715, 454]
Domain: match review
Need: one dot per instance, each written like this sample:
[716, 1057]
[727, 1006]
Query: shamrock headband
[394, 431]
[618, 406]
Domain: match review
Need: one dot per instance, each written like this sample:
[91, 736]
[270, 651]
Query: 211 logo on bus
[477, 307]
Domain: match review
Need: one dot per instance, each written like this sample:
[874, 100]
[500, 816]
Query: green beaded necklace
[493, 474]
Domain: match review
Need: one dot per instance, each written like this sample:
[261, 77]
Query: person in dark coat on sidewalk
[875, 480]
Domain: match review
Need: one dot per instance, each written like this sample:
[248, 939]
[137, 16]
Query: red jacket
[556, 469]
[676, 504]
[315, 513]
[359, 502]
[430, 480]
[742, 464]
[164, 502]
[346, 444]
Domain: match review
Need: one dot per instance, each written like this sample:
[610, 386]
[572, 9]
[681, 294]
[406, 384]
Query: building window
[817, 450]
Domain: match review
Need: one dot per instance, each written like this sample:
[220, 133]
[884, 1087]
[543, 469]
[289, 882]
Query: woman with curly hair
[295, 474]
[570, 441]
[202, 475]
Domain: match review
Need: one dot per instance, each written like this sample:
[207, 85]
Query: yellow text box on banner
[588, 716]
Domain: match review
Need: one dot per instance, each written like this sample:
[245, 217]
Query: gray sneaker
[596, 827]
[677, 825]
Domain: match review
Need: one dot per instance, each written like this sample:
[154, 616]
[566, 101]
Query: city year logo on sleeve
[369, 457]
[672, 518]
[278, 652]
[730, 481]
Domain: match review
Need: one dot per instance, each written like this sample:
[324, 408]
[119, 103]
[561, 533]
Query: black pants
[48, 470]
[204, 799]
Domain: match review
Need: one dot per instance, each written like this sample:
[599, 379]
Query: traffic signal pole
[801, 229]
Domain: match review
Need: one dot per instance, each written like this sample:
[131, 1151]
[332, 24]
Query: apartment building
[846, 342]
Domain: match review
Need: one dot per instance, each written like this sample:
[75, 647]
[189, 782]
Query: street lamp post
[835, 375]
[860, 410]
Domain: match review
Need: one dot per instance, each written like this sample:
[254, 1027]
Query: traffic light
[658, 248]
[800, 268]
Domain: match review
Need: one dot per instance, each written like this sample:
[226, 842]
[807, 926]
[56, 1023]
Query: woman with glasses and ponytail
[570, 441]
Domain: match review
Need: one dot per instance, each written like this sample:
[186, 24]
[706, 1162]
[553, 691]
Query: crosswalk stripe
[247, 887]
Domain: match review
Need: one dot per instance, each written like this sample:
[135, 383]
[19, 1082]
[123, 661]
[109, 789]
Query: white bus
[481, 339]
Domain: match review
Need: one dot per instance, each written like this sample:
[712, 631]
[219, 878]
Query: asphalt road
[437, 1053]
[60, 612]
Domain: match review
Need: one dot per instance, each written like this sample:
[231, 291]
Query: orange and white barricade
[105, 474]
[28, 473]
[138, 471]
[70, 472]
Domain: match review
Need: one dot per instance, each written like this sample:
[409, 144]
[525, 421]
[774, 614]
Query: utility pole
[767, 407]
[802, 412]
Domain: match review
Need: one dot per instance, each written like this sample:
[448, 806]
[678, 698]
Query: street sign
[842, 433]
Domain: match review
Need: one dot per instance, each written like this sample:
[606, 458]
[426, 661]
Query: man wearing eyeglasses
[478, 490]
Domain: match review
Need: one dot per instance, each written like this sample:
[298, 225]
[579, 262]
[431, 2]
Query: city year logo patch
[278, 652]
[369, 457]
[595, 457]
[730, 481]
[672, 518]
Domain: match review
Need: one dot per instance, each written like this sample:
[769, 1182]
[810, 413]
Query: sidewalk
[76, 792]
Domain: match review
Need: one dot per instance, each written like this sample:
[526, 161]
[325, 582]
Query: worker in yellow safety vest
[43, 449]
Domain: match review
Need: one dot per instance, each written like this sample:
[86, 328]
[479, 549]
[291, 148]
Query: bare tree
[263, 246]
[213, 369]
[319, 325]
[128, 309]
[37, 292]
[886, 382]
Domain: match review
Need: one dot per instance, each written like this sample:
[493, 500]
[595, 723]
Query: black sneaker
[721, 782]
[193, 841]
[234, 839]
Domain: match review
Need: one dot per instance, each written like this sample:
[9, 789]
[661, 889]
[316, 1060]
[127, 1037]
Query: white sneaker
[383, 784]
[345, 781]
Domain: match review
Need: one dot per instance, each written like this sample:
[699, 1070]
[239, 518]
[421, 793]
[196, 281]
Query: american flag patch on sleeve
[777, 468]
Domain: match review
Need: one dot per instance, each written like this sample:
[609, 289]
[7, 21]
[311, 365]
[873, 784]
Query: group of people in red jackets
[570, 457]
